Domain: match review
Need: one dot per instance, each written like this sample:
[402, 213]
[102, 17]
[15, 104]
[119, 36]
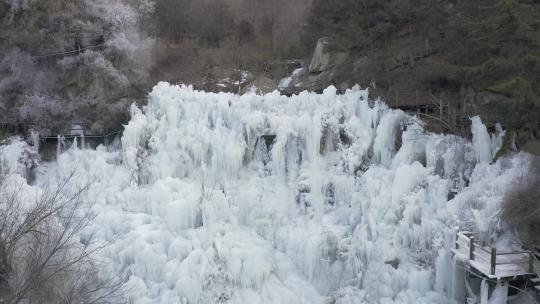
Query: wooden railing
[78, 130]
[467, 243]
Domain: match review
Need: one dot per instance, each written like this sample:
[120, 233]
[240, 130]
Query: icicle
[500, 294]
[59, 145]
[484, 290]
[481, 141]
[74, 145]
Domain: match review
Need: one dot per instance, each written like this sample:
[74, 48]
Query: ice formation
[220, 198]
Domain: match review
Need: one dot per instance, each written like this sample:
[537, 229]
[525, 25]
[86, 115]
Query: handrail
[82, 135]
[469, 245]
[510, 253]
[483, 249]
[508, 263]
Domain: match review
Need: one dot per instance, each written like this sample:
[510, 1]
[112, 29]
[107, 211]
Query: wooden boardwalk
[492, 264]
[518, 270]
[48, 142]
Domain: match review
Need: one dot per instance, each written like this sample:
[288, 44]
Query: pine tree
[497, 48]
[368, 24]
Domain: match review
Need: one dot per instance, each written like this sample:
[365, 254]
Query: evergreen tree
[497, 48]
[369, 24]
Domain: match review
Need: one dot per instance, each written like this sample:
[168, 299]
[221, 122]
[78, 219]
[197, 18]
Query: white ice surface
[219, 198]
[286, 82]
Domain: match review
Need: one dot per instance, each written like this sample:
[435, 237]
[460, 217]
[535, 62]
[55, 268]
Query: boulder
[324, 58]
[394, 263]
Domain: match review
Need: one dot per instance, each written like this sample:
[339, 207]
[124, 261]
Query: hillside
[269, 151]
[460, 58]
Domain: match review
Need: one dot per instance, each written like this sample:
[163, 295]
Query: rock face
[321, 71]
[324, 58]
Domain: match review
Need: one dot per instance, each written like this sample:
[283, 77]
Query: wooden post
[471, 248]
[531, 262]
[493, 260]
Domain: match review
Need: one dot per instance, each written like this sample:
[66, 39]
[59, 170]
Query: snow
[286, 82]
[221, 198]
[10, 158]
[17, 157]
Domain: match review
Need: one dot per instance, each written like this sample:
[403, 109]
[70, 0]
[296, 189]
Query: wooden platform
[492, 264]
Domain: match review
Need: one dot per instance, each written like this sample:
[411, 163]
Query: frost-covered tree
[72, 61]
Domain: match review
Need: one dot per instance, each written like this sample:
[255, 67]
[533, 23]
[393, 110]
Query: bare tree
[42, 259]
[521, 209]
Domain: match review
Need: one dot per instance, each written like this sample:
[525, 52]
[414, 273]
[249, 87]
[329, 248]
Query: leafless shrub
[521, 207]
[42, 258]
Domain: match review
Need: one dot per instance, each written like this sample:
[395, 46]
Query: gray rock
[323, 58]
[360, 64]
[394, 263]
[261, 84]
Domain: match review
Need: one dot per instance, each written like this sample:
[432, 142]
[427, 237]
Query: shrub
[521, 205]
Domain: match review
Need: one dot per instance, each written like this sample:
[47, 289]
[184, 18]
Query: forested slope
[480, 58]
[71, 61]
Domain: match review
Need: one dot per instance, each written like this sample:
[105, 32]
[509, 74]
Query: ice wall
[18, 157]
[220, 198]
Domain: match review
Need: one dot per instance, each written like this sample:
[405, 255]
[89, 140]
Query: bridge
[48, 139]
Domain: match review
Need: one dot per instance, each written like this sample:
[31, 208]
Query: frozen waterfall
[221, 198]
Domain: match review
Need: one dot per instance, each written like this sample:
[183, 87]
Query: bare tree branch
[41, 257]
